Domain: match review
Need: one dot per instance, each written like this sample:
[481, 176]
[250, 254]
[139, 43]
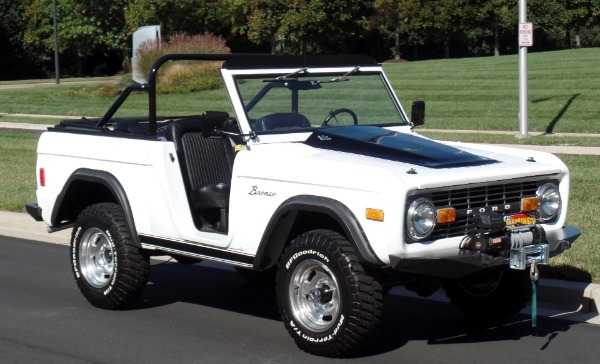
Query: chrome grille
[475, 198]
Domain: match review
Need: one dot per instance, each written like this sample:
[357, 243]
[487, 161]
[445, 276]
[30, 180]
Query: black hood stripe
[381, 143]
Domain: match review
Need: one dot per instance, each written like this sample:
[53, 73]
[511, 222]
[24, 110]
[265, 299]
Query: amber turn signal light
[529, 204]
[446, 215]
[375, 215]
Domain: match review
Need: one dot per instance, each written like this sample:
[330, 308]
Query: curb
[22, 126]
[555, 149]
[20, 225]
[580, 300]
[574, 301]
[508, 132]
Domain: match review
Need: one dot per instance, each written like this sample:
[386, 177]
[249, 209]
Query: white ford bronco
[313, 175]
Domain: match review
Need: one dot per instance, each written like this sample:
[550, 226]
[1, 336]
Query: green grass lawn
[482, 93]
[17, 163]
[87, 100]
[470, 93]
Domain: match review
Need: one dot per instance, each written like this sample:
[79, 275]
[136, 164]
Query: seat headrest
[213, 123]
[281, 121]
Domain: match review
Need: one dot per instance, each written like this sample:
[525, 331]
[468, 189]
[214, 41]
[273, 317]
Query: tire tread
[366, 299]
[133, 266]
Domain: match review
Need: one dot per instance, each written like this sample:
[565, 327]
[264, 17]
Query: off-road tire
[109, 269]
[322, 264]
[490, 297]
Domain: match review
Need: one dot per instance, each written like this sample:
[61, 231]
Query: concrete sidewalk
[556, 149]
[574, 301]
[25, 227]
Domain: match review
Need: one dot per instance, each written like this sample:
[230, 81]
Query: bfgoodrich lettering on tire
[328, 304]
[109, 269]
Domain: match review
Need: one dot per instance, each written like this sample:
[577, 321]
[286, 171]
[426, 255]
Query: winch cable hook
[534, 274]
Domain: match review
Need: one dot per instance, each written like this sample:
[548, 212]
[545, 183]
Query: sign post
[525, 40]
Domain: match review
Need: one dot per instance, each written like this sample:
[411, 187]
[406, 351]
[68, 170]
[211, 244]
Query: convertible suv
[312, 175]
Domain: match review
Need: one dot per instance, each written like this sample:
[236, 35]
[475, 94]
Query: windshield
[299, 100]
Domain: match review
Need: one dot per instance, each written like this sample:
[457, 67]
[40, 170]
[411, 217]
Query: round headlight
[420, 218]
[549, 198]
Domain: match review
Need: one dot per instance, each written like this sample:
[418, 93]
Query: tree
[387, 20]
[559, 18]
[139, 13]
[433, 21]
[188, 16]
[307, 26]
[92, 32]
[17, 59]
[496, 15]
[85, 28]
[579, 14]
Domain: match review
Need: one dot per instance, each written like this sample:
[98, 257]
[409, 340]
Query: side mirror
[417, 114]
[213, 123]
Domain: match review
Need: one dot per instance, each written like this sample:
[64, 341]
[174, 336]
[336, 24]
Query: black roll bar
[150, 87]
[154, 72]
[119, 101]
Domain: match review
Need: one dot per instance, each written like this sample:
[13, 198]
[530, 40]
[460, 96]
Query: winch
[524, 243]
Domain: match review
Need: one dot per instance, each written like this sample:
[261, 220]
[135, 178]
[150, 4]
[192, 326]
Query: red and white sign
[525, 34]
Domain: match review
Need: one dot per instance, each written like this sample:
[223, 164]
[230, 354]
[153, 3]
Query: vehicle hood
[386, 144]
[349, 162]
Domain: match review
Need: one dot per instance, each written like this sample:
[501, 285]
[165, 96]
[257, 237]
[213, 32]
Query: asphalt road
[207, 314]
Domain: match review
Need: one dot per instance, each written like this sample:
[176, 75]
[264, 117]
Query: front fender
[285, 220]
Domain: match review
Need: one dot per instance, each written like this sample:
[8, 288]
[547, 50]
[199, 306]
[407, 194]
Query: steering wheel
[334, 113]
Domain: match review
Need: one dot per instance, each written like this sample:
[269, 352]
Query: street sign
[525, 34]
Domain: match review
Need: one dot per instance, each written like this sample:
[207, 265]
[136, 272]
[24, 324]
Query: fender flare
[107, 180]
[279, 227]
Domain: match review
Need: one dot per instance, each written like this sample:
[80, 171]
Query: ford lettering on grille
[504, 198]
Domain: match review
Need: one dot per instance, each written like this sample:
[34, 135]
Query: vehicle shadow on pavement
[438, 323]
[222, 288]
[404, 319]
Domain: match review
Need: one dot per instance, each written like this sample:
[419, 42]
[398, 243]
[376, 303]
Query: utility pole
[56, 68]
[525, 40]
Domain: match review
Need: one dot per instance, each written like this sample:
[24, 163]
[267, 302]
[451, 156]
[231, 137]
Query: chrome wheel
[327, 302]
[314, 296]
[101, 244]
[97, 257]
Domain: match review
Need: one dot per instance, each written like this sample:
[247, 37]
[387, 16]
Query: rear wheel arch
[86, 187]
[303, 213]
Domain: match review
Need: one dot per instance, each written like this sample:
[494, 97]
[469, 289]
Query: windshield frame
[333, 74]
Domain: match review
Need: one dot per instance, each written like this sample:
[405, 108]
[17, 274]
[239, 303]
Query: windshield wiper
[286, 77]
[342, 77]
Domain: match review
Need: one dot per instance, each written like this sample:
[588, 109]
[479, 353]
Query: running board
[196, 251]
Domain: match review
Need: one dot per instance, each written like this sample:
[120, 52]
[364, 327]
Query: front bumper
[461, 263]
